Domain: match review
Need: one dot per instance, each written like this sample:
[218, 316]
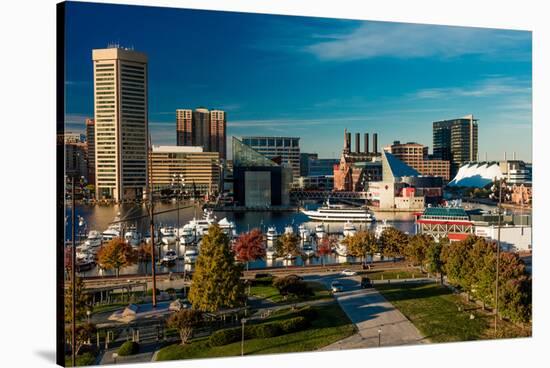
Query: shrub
[292, 285]
[263, 281]
[150, 292]
[308, 312]
[128, 348]
[293, 325]
[263, 275]
[262, 331]
[226, 336]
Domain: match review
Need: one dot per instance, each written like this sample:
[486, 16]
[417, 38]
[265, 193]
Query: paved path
[370, 311]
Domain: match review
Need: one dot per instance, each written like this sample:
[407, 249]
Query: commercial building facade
[198, 171]
[456, 141]
[287, 148]
[121, 123]
[416, 156]
[203, 128]
[90, 146]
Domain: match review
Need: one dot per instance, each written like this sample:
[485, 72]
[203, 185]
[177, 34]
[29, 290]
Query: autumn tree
[185, 321]
[434, 258]
[84, 332]
[144, 252]
[249, 246]
[393, 242]
[216, 280]
[288, 244]
[361, 244]
[116, 254]
[325, 246]
[417, 248]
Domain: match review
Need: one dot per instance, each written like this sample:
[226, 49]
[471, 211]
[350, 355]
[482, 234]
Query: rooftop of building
[445, 212]
[177, 149]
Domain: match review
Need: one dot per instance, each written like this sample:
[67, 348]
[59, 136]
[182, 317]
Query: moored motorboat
[168, 235]
[320, 231]
[349, 229]
[308, 251]
[170, 257]
[304, 232]
[271, 233]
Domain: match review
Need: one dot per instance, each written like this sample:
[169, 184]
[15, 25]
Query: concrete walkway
[370, 311]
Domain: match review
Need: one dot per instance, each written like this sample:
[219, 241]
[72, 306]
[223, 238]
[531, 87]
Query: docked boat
[84, 261]
[272, 233]
[132, 237]
[228, 227]
[270, 252]
[199, 227]
[341, 250]
[339, 213]
[380, 228]
[289, 229]
[94, 239]
[349, 229]
[304, 232]
[110, 234]
[170, 257]
[190, 255]
[187, 236]
[168, 235]
[308, 251]
[147, 238]
[320, 232]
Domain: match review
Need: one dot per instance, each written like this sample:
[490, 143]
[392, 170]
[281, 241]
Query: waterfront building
[321, 182]
[304, 162]
[76, 164]
[416, 156]
[286, 149]
[121, 123]
[515, 230]
[456, 141]
[90, 146]
[199, 171]
[445, 222]
[516, 171]
[258, 181]
[355, 169]
[203, 128]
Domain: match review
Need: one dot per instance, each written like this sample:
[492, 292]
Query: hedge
[226, 336]
[128, 348]
[262, 281]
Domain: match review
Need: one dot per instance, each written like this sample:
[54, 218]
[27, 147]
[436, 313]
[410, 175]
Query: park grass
[331, 325]
[433, 309]
[84, 359]
[271, 293]
[394, 274]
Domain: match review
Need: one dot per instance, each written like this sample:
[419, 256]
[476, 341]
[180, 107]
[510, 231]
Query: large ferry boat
[339, 213]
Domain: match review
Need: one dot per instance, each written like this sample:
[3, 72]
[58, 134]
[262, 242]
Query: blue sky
[312, 77]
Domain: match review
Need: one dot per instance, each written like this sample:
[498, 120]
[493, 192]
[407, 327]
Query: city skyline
[281, 75]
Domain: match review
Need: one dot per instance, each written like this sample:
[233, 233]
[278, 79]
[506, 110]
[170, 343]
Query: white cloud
[385, 39]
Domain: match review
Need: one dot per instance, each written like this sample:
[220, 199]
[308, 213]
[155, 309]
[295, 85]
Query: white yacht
[349, 229]
[289, 229]
[271, 233]
[228, 227]
[339, 213]
[148, 238]
[168, 235]
[320, 232]
[132, 237]
[199, 227]
[191, 254]
[110, 234]
[308, 251]
[341, 249]
[304, 232]
[169, 257]
[186, 236]
[84, 262]
[380, 228]
[94, 239]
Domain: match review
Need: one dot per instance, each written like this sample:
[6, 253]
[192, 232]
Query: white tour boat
[339, 213]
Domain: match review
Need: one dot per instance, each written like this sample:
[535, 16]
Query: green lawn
[330, 326]
[433, 309]
[401, 274]
[271, 293]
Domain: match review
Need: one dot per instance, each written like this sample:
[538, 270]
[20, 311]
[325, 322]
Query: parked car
[336, 287]
[365, 283]
[348, 272]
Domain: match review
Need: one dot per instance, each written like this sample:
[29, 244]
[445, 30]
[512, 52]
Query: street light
[88, 313]
[379, 334]
[501, 183]
[243, 321]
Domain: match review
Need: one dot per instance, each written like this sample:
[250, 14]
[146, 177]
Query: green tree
[249, 246]
[417, 248]
[82, 301]
[84, 332]
[393, 242]
[116, 254]
[483, 273]
[185, 321]
[458, 263]
[515, 288]
[216, 280]
[292, 285]
[361, 244]
[288, 244]
[434, 258]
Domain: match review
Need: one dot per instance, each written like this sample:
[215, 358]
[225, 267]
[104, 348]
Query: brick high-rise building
[416, 156]
[203, 128]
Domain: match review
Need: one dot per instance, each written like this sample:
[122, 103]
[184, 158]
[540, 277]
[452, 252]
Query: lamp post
[88, 313]
[379, 334]
[243, 321]
[499, 210]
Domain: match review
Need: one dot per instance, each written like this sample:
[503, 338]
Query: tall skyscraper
[203, 128]
[121, 126]
[455, 141]
[90, 143]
